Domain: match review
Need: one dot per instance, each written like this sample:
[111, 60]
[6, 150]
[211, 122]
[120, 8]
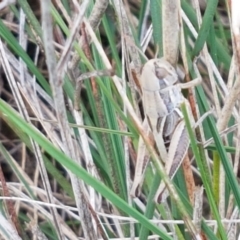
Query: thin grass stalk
[97, 13]
[156, 11]
[219, 145]
[76, 169]
[170, 30]
[191, 98]
[132, 54]
[7, 230]
[205, 27]
[10, 205]
[235, 169]
[70, 148]
[216, 176]
[35, 147]
[150, 207]
[219, 176]
[203, 174]
[106, 139]
[10, 39]
[143, 16]
[126, 142]
[33, 22]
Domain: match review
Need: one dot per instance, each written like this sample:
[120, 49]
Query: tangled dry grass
[72, 119]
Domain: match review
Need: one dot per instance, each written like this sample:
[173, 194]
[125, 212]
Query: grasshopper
[161, 98]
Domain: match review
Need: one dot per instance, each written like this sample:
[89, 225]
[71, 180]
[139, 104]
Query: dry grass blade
[5, 3]
[235, 90]
[170, 18]
[94, 20]
[62, 63]
[36, 148]
[198, 204]
[9, 232]
[70, 147]
[10, 204]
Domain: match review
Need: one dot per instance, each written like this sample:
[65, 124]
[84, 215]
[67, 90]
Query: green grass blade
[223, 52]
[13, 43]
[9, 160]
[206, 184]
[77, 170]
[156, 13]
[205, 27]
[222, 153]
[31, 17]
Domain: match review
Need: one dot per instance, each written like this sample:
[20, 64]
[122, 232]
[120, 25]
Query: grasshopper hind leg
[176, 153]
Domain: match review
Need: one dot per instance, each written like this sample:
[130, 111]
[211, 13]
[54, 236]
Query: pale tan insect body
[161, 98]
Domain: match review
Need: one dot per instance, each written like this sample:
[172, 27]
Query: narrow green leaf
[206, 184]
[205, 27]
[13, 43]
[156, 15]
[77, 170]
[216, 176]
[222, 153]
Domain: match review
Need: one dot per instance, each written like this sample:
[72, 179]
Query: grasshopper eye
[160, 72]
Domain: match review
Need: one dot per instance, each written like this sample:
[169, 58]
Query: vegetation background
[71, 119]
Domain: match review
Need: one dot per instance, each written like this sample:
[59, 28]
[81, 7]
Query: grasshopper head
[157, 74]
[165, 73]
